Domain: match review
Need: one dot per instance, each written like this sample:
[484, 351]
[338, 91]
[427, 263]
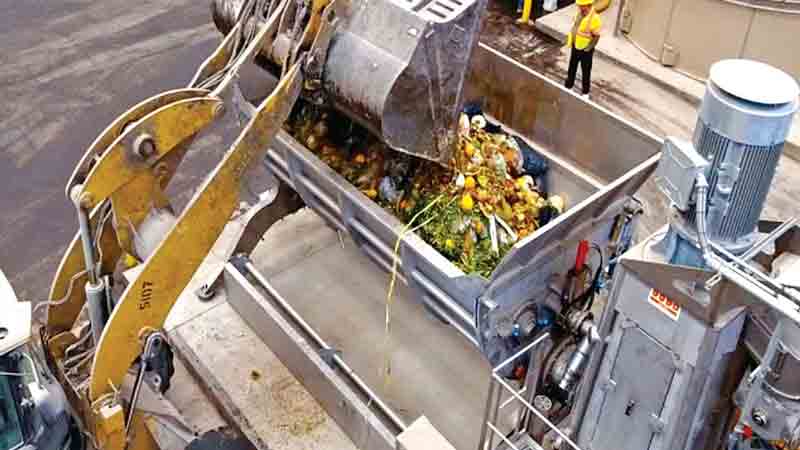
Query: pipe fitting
[144, 146]
[760, 417]
[579, 360]
[75, 194]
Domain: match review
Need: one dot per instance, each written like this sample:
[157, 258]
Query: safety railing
[503, 397]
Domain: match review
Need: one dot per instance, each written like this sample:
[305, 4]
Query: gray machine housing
[660, 380]
[771, 405]
[677, 171]
[696, 354]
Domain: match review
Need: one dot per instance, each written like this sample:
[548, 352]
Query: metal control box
[677, 171]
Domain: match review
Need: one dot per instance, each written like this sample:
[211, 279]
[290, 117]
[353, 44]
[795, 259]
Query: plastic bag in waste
[387, 189]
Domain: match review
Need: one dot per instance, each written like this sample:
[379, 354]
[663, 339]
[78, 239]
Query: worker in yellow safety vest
[582, 41]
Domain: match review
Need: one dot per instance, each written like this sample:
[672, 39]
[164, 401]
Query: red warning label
[664, 304]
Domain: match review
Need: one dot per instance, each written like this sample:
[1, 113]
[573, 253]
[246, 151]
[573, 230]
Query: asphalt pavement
[67, 68]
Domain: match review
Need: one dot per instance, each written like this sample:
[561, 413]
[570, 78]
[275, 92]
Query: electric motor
[743, 122]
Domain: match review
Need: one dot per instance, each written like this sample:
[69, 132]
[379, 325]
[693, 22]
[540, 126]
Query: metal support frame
[498, 386]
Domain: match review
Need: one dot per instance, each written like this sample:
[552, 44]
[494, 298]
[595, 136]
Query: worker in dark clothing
[582, 41]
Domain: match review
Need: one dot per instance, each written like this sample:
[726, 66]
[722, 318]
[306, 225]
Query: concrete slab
[292, 241]
[618, 49]
[251, 387]
[254, 389]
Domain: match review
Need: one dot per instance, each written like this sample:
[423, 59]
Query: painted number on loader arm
[146, 295]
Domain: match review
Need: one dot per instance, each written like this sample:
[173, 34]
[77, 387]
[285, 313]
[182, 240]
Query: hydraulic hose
[700, 219]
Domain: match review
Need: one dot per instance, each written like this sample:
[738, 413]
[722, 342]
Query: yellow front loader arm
[66, 297]
[67, 300]
[118, 188]
[147, 301]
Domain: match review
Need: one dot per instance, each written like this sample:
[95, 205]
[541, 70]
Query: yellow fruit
[371, 193]
[466, 202]
[483, 181]
[449, 244]
[469, 183]
[360, 158]
[469, 150]
[478, 226]
[532, 198]
[505, 213]
[130, 261]
[312, 143]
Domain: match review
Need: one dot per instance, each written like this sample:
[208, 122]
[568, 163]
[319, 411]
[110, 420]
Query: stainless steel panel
[596, 180]
[700, 339]
[642, 373]
[705, 31]
[755, 29]
[650, 23]
[339, 400]
[411, 59]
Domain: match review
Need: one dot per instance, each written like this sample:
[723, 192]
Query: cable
[595, 286]
[87, 356]
[766, 445]
[600, 253]
[105, 215]
[243, 39]
[586, 298]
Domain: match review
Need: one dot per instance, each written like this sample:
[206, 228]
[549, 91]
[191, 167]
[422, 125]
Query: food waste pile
[492, 192]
